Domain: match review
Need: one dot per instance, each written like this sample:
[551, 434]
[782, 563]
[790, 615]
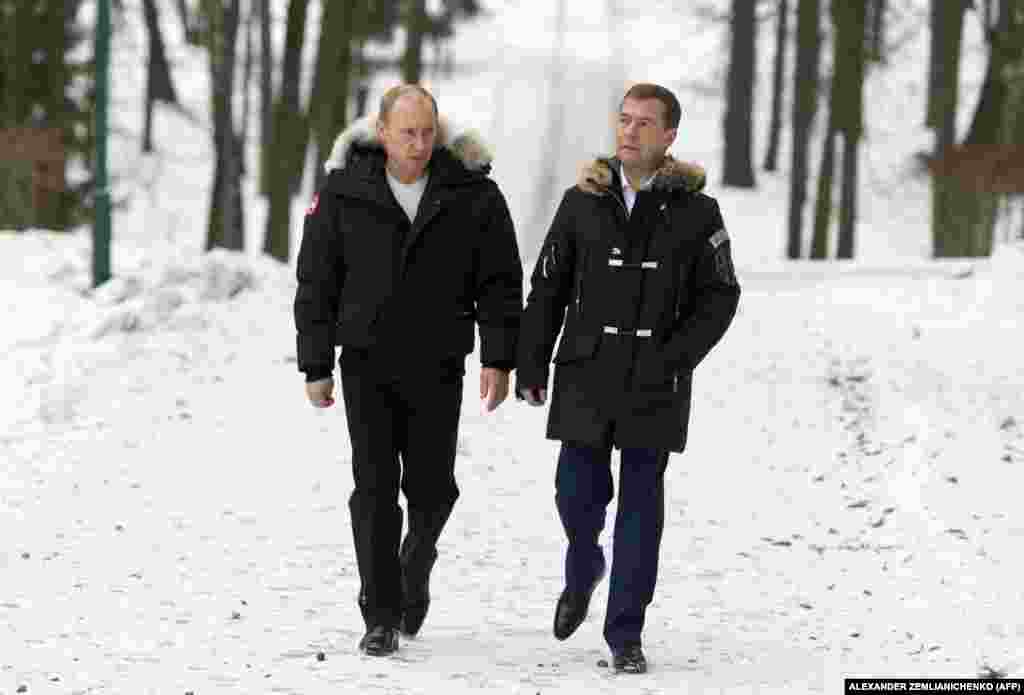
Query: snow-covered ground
[175, 514]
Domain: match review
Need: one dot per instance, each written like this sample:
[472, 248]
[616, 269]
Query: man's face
[408, 136]
[641, 137]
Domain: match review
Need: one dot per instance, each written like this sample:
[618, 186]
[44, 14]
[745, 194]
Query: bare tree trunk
[988, 114]
[53, 209]
[188, 24]
[1018, 139]
[823, 206]
[266, 89]
[876, 11]
[415, 21]
[775, 127]
[147, 107]
[846, 106]
[159, 85]
[943, 98]
[739, 170]
[946, 19]
[243, 138]
[805, 106]
[995, 121]
[845, 245]
[288, 143]
[18, 51]
[332, 83]
[234, 229]
[362, 99]
[850, 19]
[361, 74]
[226, 223]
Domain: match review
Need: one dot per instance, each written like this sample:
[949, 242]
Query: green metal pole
[101, 223]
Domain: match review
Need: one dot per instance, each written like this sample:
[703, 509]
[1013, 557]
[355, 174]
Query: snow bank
[161, 300]
[167, 293]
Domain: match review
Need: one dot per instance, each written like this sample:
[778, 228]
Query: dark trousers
[403, 431]
[583, 484]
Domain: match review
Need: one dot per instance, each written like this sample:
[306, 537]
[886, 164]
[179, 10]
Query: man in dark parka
[408, 244]
[636, 272]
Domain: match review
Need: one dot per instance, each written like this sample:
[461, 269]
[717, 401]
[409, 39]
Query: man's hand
[493, 387]
[534, 395]
[321, 392]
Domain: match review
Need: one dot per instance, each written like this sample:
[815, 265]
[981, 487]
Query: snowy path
[176, 516]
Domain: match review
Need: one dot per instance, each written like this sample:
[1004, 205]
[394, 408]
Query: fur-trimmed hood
[465, 144]
[596, 176]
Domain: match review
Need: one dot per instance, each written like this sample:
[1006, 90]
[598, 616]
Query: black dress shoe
[415, 596]
[571, 610]
[629, 659]
[413, 615]
[379, 641]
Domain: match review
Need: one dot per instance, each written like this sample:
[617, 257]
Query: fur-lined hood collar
[597, 175]
[465, 145]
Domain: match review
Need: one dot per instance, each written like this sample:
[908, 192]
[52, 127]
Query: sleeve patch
[550, 259]
[724, 269]
[313, 205]
[718, 238]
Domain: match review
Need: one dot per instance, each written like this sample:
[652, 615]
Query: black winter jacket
[640, 300]
[407, 294]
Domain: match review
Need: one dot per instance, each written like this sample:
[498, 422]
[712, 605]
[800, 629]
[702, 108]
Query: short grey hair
[387, 102]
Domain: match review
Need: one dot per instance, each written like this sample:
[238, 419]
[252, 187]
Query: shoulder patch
[718, 238]
[313, 205]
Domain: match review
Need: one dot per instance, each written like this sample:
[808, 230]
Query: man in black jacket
[637, 267]
[407, 244]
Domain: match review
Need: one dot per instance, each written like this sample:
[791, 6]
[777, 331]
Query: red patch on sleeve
[313, 205]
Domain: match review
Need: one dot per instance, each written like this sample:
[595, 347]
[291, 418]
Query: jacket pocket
[574, 348]
[655, 372]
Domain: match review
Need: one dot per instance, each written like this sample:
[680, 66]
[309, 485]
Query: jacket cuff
[498, 344]
[530, 378]
[317, 373]
[504, 365]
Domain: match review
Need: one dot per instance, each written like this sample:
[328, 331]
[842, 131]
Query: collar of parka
[466, 146]
[596, 176]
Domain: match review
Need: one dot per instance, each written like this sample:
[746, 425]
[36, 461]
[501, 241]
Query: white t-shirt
[408, 195]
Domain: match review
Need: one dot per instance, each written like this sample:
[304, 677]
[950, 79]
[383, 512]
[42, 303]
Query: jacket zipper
[678, 302]
[579, 286]
[625, 210]
[620, 202]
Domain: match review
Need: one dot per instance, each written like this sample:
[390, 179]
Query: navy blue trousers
[583, 489]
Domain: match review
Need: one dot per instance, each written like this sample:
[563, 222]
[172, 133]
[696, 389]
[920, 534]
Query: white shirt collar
[628, 194]
[645, 185]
